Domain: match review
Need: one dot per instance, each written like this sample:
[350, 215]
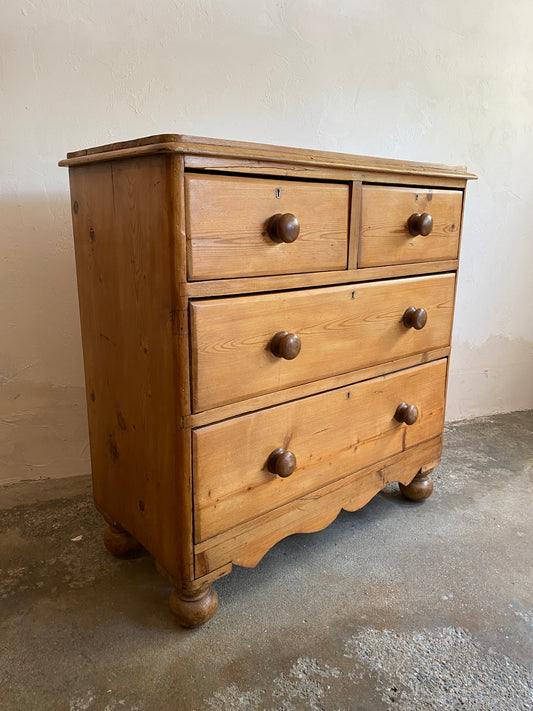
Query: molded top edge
[196, 145]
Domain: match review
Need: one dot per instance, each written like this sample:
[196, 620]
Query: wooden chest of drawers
[266, 334]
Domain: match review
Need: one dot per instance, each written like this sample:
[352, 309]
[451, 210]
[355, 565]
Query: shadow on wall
[43, 431]
[485, 379]
[39, 318]
[43, 424]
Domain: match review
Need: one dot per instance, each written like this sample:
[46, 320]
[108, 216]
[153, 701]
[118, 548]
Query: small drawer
[237, 351]
[391, 232]
[228, 221]
[309, 443]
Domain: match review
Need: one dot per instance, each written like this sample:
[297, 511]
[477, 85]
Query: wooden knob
[283, 228]
[415, 318]
[285, 345]
[406, 413]
[281, 462]
[420, 224]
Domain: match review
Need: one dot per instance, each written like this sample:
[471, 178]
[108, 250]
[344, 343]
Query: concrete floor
[400, 605]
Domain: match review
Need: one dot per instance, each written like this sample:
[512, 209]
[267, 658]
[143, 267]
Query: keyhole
[278, 192]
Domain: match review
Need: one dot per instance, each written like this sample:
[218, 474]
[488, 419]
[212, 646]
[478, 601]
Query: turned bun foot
[195, 609]
[120, 543]
[420, 488]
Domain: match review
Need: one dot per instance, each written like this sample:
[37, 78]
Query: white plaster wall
[445, 81]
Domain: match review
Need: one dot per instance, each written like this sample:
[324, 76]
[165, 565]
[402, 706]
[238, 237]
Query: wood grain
[355, 223]
[455, 293]
[341, 329]
[247, 543]
[227, 226]
[248, 285]
[181, 293]
[201, 146]
[318, 386]
[331, 435]
[324, 172]
[385, 238]
[123, 246]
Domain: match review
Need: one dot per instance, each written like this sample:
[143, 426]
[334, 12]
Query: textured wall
[438, 81]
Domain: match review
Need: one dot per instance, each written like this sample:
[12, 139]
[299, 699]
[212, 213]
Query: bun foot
[420, 488]
[120, 543]
[194, 609]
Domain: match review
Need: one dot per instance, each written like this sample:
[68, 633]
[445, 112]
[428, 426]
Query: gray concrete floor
[399, 605]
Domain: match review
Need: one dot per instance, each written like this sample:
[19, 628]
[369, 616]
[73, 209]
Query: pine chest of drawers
[266, 334]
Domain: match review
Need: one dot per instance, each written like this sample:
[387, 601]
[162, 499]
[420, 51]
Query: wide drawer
[227, 226]
[330, 436]
[340, 329]
[385, 229]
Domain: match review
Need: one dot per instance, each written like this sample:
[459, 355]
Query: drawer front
[340, 329]
[385, 236]
[330, 435]
[227, 220]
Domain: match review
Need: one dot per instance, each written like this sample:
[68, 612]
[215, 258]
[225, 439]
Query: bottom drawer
[323, 437]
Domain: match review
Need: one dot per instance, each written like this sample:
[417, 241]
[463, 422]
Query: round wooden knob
[285, 345]
[406, 413]
[281, 462]
[420, 224]
[283, 228]
[415, 318]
